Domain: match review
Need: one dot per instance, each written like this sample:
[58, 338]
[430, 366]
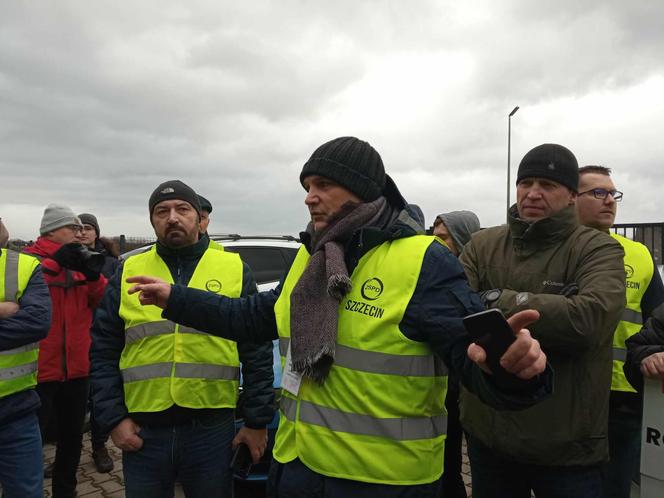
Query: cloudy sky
[100, 101]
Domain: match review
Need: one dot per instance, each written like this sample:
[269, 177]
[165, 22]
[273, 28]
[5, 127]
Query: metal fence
[128, 243]
[649, 234]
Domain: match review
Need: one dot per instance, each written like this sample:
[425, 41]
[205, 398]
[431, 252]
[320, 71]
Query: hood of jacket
[461, 225]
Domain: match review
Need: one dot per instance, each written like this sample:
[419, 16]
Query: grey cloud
[101, 101]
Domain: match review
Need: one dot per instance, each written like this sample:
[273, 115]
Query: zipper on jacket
[64, 339]
[179, 269]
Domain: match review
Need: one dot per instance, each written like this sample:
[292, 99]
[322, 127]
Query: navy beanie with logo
[174, 189]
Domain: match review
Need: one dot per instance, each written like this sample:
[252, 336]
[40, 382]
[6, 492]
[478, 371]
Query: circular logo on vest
[213, 285]
[372, 288]
[629, 271]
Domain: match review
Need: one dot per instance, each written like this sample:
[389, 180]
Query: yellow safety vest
[379, 416]
[639, 269]
[18, 366]
[163, 363]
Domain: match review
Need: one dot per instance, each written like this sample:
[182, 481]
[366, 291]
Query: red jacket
[64, 354]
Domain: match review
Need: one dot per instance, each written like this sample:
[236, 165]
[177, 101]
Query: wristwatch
[491, 296]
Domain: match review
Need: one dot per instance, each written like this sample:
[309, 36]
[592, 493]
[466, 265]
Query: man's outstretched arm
[243, 319]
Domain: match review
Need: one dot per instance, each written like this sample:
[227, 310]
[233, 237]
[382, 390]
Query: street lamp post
[509, 151]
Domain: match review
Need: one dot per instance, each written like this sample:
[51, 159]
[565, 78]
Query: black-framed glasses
[601, 193]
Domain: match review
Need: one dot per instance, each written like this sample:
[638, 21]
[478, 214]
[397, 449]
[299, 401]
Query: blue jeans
[497, 477]
[296, 480]
[624, 453]
[21, 463]
[196, 454]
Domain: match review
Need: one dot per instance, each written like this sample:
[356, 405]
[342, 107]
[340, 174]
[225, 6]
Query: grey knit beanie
[90, 219]
[350, 162]
[57, 216]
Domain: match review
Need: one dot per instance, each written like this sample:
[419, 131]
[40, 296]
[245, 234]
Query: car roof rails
[236, 236]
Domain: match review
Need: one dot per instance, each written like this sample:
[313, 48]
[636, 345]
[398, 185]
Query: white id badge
[290, 379]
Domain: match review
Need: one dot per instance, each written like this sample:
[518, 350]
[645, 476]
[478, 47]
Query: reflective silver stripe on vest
[205, 371]
[149, 329]
[28, 347]
[632, 316]
[182, 371]
[382, 363]
[289, 408]
[398, 429]
[18, 371]
[619, 354]
[11, 275]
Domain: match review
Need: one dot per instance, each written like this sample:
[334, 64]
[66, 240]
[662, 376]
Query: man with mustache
[596, 207]
[364, 317]
[167, 393]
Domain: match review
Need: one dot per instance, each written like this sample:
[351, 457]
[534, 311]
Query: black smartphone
[241, 461]
[490, 330]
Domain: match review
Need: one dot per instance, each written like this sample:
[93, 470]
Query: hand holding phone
[492, 333]
[490, 330]
[241, 462]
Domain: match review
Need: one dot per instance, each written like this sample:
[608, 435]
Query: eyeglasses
[75, 228]
[601, 193]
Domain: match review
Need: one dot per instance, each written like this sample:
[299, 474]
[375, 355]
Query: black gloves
[69, 255]
[77, 257]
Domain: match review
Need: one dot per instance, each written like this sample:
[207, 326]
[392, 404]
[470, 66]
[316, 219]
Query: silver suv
[269, 257]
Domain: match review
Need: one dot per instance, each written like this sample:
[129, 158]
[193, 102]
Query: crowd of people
[381, 381]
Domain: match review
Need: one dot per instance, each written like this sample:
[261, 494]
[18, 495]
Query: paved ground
[92, 484]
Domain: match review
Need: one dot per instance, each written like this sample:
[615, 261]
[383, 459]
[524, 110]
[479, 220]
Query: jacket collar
[194, 251]
[542, 233]
[44, 247]
[406, 223]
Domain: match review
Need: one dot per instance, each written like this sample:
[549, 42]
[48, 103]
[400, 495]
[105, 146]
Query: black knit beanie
[352, 163]
[174, 189]
[90, 219]
[205, 204]
[551, 161]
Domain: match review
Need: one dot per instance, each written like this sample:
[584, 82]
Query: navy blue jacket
[108, 338]
[31, 323]
[434, 315]
[648, 341]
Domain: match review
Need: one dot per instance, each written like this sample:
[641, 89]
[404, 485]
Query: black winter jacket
[434, 314]
[108, 343]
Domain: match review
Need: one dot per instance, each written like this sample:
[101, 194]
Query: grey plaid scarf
[323, 284]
